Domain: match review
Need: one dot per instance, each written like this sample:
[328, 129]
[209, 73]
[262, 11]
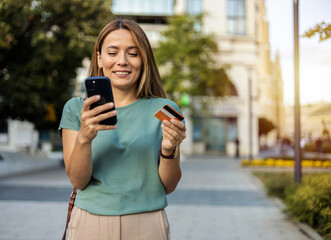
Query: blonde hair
[149, 84]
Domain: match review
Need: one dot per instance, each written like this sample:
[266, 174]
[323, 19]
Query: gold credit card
[168, 113]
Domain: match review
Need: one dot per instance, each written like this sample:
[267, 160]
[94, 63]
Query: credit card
[168, 113]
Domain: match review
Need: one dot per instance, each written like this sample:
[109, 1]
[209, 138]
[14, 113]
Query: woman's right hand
[90, 119]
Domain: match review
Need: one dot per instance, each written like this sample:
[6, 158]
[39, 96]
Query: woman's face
[120, 59]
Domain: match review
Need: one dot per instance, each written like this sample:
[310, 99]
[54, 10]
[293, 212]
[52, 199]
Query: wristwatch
[173, 155]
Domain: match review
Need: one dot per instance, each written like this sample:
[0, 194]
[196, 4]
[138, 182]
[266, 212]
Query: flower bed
[272, 162]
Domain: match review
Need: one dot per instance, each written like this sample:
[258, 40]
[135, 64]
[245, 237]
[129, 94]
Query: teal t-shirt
[125, 177]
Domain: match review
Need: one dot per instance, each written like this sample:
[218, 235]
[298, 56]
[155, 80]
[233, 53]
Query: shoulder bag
[70, 207]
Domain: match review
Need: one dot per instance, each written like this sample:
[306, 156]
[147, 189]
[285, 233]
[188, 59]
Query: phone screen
[101, 86]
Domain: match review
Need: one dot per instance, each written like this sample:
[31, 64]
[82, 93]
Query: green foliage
[326, 147]
[309, 201]
[265, 126]
[311, 147]
[42, 43]
[276, 183]
[323, 30]
[185, 58]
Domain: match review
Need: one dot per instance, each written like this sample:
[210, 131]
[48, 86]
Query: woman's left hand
[174, 132]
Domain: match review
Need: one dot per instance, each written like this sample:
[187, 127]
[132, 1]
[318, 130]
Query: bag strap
[70, 207]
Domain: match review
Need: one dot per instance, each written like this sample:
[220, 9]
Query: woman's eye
[133, 54]
[112, 53]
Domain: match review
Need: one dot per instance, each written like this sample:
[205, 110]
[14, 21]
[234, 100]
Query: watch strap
[173, 155]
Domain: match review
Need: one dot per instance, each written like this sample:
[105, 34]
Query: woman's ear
[99, 60]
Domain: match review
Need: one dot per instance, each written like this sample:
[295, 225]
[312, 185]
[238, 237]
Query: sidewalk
[14, 163]
[218, 200]
[215, 200]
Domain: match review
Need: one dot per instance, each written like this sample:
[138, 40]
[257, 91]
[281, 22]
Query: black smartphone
[101, 86]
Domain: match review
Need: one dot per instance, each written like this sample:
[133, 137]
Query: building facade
[315, 121]
[269, 80]
[241, 30]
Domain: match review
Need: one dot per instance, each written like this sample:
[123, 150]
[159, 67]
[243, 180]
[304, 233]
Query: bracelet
[173, 155]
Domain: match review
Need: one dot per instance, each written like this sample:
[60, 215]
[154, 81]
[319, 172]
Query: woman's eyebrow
[112, 47]
[116, 47]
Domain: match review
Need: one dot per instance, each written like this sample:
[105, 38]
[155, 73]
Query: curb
[303, 227]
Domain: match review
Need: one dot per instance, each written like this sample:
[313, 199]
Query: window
[143, 7]
[193, 6]
[236, 17]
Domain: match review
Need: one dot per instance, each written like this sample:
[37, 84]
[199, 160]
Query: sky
[315, 56]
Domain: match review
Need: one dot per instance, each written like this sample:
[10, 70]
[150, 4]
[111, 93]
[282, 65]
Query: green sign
[185, 100]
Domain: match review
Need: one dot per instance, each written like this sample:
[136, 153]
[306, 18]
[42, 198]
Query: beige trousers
[142, 226]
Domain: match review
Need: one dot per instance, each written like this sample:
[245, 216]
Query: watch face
[176, 151]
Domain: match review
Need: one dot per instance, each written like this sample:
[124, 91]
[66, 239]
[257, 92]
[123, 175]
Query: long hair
[149, 84]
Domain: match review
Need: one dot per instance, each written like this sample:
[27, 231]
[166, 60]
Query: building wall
[269, 78]
[238, 54]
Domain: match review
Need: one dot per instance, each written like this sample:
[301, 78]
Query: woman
[123, 172]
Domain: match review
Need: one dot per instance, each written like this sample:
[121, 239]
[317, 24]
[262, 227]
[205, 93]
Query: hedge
[309, 201]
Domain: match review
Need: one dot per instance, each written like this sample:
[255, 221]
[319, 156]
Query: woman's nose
[122, 60]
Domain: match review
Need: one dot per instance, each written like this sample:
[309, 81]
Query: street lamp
[297, 131]
[250, 115]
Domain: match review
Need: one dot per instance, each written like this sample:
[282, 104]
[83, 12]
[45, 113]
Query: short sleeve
[71, 115]
[175, 106]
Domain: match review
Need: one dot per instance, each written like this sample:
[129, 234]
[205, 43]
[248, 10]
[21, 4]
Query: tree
[265, 126]
[42, 43]
[323, 30]
[186, 59]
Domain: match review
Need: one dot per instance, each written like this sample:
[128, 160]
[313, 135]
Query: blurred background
[228, 64]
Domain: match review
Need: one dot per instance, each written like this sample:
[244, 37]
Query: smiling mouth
[122, 73]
